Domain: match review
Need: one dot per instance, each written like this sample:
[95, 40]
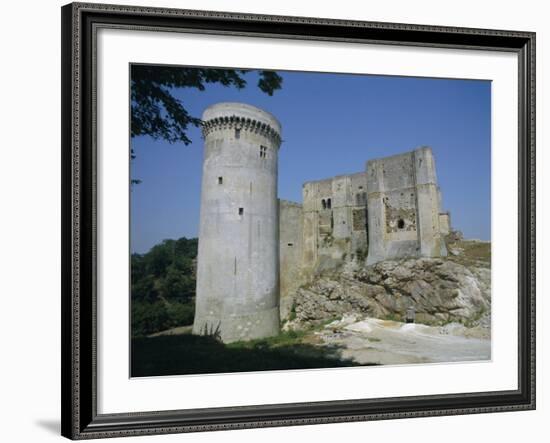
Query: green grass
[191, 354]
[292, 315]
[287, 338]
[473, 253]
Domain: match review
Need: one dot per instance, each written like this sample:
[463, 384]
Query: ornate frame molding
[79, 391]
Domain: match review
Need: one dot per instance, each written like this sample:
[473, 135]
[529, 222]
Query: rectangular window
[220, 180]
[241, 211]
[237, 133]
[263, 151]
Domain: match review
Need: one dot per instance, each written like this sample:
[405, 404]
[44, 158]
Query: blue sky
[332, 124]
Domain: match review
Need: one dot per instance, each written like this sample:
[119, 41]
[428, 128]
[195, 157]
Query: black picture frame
[79, 171]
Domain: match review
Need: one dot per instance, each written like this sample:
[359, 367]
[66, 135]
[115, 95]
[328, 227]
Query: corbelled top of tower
[241, 114]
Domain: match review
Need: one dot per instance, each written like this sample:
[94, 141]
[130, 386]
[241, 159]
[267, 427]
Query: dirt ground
[374, 341]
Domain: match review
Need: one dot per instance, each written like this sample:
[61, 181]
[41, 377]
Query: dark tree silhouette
[157, 113]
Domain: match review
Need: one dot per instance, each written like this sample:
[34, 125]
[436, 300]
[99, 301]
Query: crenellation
[241, 117]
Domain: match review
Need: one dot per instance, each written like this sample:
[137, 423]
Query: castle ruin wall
[335, 221]
[290, 253]
[403, 207]
[255, 250]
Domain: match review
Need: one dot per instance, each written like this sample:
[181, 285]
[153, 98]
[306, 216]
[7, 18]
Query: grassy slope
[471, 253]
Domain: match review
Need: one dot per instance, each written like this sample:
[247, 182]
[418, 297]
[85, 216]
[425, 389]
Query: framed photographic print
[273, 221]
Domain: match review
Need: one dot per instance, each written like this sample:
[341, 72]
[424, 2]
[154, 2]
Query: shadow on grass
[191, 354]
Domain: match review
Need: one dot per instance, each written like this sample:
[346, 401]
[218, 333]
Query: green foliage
[148, 317]
[471, 252]
[292, 315]
[284, 338]
[158, 113]
[163, 286]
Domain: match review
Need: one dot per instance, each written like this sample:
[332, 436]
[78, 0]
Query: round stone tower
[238, 258]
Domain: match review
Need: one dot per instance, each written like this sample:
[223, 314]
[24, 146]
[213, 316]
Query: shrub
[148, 318]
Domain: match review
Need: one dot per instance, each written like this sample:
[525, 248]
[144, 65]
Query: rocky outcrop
[439, 290]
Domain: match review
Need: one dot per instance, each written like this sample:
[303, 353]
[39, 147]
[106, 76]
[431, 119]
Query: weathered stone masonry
[403, 207]
[335, 226]
[238, 257]
[255, 250]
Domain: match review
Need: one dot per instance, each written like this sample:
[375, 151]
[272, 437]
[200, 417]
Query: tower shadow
[192, 354]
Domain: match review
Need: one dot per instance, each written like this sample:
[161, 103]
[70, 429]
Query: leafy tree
[148, 318]
[145, 289]
[163, 286]
[157, 113]
[178, 284]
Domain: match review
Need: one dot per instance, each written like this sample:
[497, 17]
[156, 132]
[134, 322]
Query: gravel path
[373, 341]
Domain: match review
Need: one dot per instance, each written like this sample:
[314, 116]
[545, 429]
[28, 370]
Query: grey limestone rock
[439, 290]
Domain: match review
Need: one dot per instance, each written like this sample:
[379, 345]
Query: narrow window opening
[324, 203]
[220, 180]
[241, 211]
[290, 244]
[237, 133]
[400, 223]
[263, 151]
[328, 203]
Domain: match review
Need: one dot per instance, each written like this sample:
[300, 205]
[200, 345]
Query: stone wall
[403, 205]
[444, 223]
[290, 253]
[335, 223]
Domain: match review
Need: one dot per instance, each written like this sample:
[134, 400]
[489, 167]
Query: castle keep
[256, 250]
[238, 257]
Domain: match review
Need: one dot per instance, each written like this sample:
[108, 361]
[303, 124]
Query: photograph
[296, 220]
